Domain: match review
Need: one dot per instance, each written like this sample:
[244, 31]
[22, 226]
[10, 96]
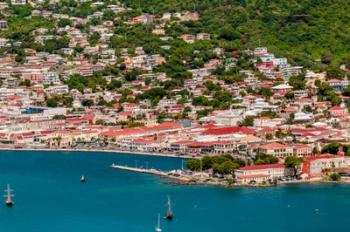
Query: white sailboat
[9, 202]
[158, 229]
[169, 214]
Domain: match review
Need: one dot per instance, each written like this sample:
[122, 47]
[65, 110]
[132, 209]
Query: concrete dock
[180, 178]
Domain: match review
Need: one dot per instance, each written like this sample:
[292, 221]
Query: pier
[179, 176]
[140, 170]
[171, 174]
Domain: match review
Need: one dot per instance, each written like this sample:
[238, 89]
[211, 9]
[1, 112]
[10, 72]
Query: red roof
[308, 160]
[301, 100]
[323, 156]
[334, 81]
[127, 131]
[125, 113]
[182, 142]
[201, 144]
[337, 108]
[273, 145]
[262, 166]
[252, 176]
[46, 132]
[88, 117]
[166, 126]
[228, 130]
[148, 140]
[302, 146]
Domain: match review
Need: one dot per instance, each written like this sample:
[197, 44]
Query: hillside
[297, 29]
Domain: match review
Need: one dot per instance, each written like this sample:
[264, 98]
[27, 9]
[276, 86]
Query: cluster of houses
[281, 126]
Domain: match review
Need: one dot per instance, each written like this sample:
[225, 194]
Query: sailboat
[82, 179]
[169, 213]
[158, 229]
[9, 202]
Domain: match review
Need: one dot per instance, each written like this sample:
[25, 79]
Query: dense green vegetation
[333, 148]
[223, 164]
[265, 159]
[294, 163]
[299, 29]
[308, 32]
[334, 177]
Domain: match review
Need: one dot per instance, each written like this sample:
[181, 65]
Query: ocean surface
[50, 198]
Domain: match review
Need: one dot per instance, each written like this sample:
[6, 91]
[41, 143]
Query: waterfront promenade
[108, 150]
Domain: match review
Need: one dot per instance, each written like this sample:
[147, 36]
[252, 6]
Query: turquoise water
[50, 198]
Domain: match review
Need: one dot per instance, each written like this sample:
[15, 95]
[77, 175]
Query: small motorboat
[82, 179]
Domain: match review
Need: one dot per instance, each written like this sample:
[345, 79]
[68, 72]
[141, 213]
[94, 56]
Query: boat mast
[169, 205]
[158, 221]
[158, 229]
[8, 194]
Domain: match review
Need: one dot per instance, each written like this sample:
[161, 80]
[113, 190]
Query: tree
[228, 33]
[315, 151]
[87, 102]
[200, 101]
[108, 15]
[331, 148]
[94, 38]
[335, 177]
[211, 86]
[148, 81]
[327, 58]
[132, 75]
[294, 163]
[153, 94]
[193, 164]
[266, 92]
[269, 136]
[68, 101]
[64, 23]
[298, 82]
[26, 83]
[56, 44]
[22, 11]
[114, 84]
[100, 122]
[265, 159]
[52, 102]
[346, 91]
[59, 117]
[248, 121]
[290, 119]
[289, 95]
[20, 58]
[226, 167]
[335, 72]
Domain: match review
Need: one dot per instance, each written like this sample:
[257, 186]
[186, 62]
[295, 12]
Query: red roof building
[257, 174]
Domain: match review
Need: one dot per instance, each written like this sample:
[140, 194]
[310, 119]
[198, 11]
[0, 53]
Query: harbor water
[49, 197]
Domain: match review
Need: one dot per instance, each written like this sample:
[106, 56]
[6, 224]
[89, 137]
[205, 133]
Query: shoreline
[178, 180]
[156, 154]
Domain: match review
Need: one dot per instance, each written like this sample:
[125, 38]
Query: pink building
[337, 111]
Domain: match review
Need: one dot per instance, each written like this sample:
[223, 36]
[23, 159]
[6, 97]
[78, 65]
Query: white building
[18, 2]
[257, 174]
